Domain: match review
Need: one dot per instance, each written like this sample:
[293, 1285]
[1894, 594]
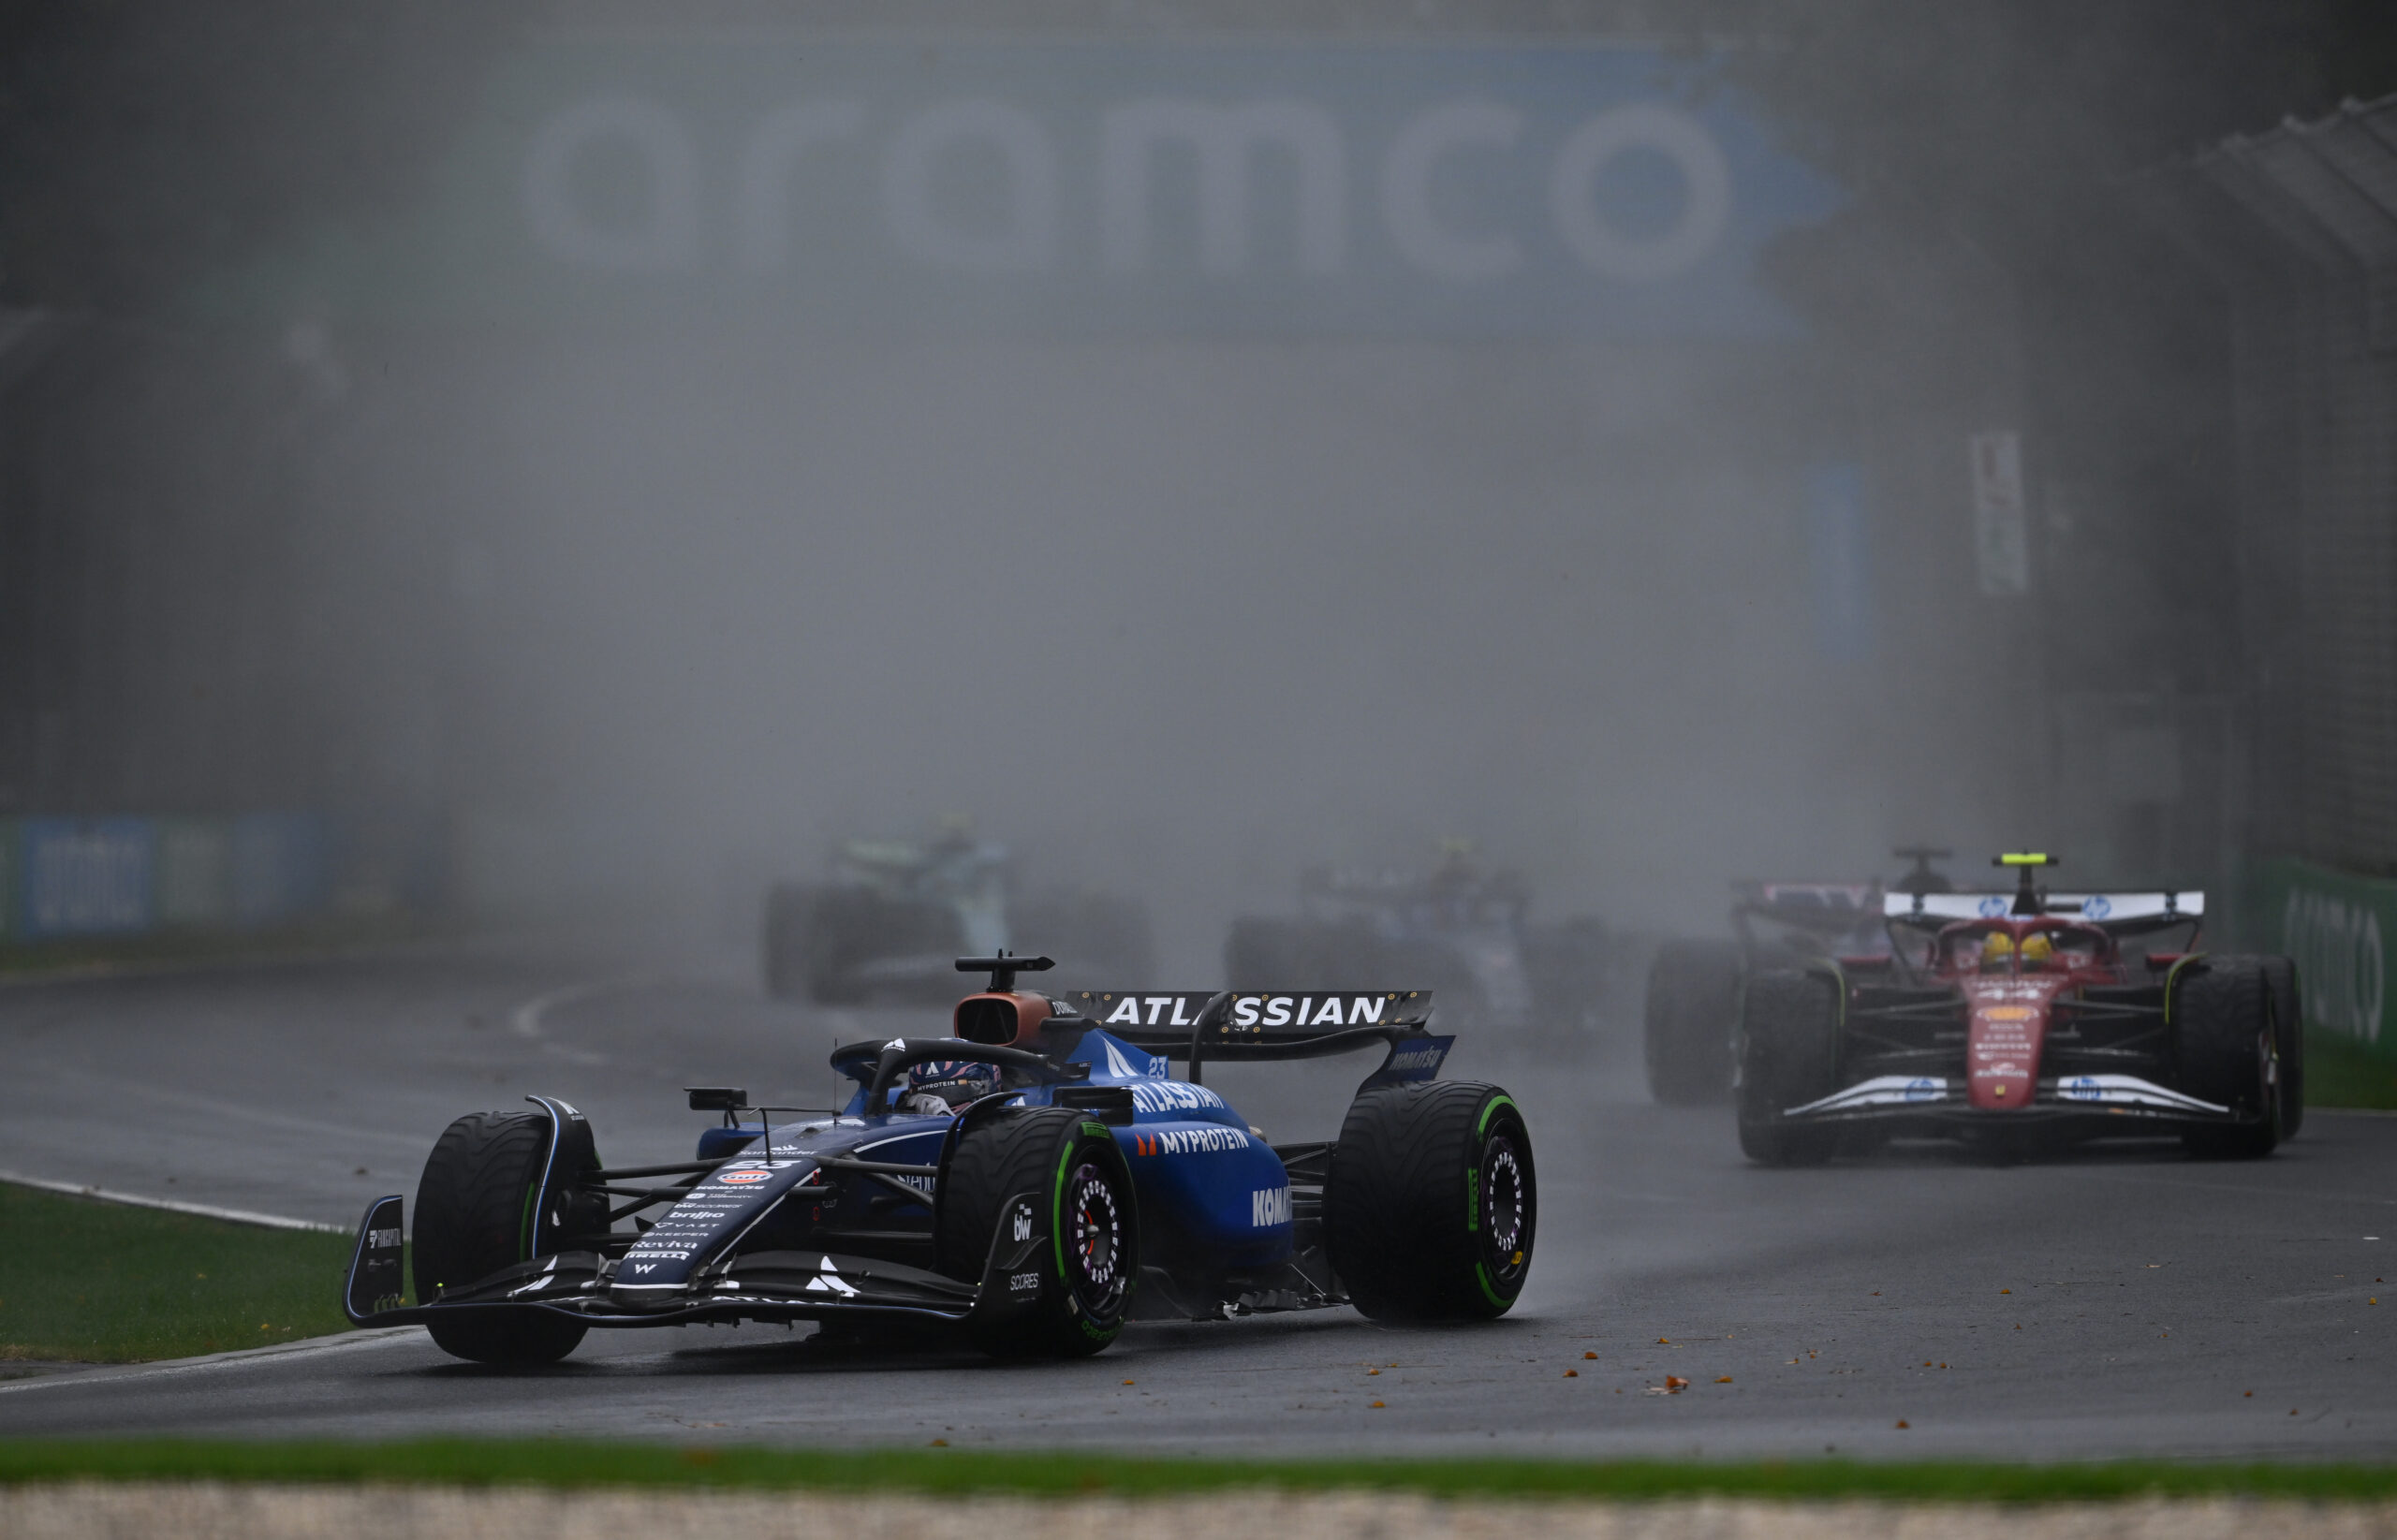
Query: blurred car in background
[894, 914]
[2024, 1023]
[1463, 929]
[1692, 1010]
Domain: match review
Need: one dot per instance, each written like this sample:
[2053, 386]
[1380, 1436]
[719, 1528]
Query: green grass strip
[173, 948]
[2341, 1072]
[562, 1463]
[91, 1282]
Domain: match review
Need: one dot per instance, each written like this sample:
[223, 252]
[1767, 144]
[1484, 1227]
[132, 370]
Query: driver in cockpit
[944, 1085]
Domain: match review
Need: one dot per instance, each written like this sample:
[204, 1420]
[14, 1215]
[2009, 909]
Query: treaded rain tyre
[2288, 1032]
[1690, 1016]
[1432, 1202]
[474, 1216]
[2227, 1052]
[1071, 1162]
[1788, 1056]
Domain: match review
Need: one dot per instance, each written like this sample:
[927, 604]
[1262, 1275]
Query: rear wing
[1248, 1015]
[2123, 914]
[1250, 1027]
[1830, 907]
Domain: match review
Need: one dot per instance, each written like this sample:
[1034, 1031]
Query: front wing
[774, 1285]
[1938, 1101]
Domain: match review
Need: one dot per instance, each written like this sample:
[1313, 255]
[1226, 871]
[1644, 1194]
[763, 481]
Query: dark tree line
[143, 142]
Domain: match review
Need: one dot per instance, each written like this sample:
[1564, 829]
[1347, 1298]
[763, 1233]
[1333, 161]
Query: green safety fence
[2336, 925]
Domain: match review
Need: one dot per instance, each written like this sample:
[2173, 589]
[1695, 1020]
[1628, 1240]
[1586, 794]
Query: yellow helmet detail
[1996, 947]
[2038, 949]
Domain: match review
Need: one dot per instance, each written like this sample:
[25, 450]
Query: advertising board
[1102, 188]
[2336, 925]
[85, 876]
[195, 873]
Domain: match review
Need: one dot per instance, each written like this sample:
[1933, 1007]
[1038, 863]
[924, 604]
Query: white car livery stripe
[1880, 1091]
[2129, 1090]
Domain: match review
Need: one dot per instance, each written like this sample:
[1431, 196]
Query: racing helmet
[955, 1082]
[1996, 949]
[2038, 949]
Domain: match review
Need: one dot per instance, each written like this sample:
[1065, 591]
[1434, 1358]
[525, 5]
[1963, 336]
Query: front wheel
[1788, 1056]
[1432, 1202]
[1069, 1163]
[475, 1215]
[2289, 1039]
[2227, 1052]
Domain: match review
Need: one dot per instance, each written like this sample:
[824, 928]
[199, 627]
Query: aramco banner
[2337, 927]
[1103, 188]
[65, 878]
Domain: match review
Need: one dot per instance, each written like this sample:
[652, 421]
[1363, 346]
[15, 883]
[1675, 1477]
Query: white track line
[347, 1133]
[525, 1020]
[347, 1341]
[205, 1210]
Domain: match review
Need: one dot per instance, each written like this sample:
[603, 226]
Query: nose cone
[2002, 1053]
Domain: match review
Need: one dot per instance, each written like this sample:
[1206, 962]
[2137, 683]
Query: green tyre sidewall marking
[1473, 1195]
[2172, 976]
[1057, 1221]
[1057, 1229]
[1100, 1131]
[1473, 1172]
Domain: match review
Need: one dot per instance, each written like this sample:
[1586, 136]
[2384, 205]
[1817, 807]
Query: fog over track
[2123, 1302]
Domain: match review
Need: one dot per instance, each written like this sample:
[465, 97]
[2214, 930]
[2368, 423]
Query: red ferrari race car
[2020, 1022]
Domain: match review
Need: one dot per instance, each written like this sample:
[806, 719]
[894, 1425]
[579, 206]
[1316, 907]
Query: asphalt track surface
[2118, 1303]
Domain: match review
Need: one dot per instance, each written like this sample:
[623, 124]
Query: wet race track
[2123, 1303]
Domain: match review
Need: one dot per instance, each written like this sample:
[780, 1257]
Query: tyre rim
[1506, 1216]
[1094, 1239]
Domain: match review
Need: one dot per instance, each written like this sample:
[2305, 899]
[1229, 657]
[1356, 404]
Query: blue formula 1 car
[1032, 1182]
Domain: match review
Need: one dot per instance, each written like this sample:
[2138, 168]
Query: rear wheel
[1788, 1056]
[1692, 1012]
[474, 1216]
[2227, 1049]
[1071, 1163]
[1432, 1202]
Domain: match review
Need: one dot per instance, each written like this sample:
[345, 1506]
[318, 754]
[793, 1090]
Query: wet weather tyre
[1071, 1163]
[2227, 1052]
[1788, 1056]
[1691, 1015]
[2289, 1034]
[474, 1216]
[1432, 1202]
